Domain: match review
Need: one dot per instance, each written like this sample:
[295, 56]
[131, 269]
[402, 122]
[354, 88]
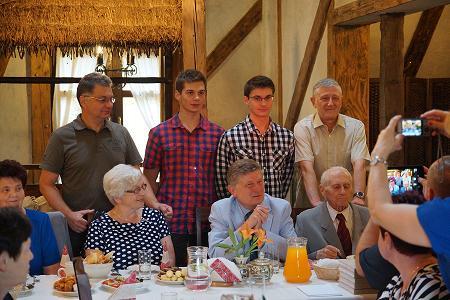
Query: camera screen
[403, 180]
[411, 127]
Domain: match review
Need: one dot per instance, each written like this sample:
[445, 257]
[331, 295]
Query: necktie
[344, 235]
[254, 254]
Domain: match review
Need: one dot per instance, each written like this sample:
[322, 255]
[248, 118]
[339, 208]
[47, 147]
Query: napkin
[64, 257]
[224, 270]
[320, 290]
[165, 257]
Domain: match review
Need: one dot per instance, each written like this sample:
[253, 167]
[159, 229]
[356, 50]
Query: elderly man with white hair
[129, 226]
[334, 226]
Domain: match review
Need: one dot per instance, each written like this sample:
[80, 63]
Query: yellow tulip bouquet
[255, 237]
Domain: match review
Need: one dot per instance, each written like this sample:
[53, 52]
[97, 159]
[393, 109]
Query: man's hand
[328, 252]
[258, 217]
[76, 221]
[165, 209]
[358, 201]
[439, 120]
[388, 140]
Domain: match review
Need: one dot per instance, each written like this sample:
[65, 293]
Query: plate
[138, 286]
[166, 282]
[22, 291]
[155, 268]
[65, 294]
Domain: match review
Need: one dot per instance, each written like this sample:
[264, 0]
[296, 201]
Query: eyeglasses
[138, 190]
[102, 100]
[260, 99]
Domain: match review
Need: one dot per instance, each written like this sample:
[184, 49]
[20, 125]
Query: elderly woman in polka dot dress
[129, 226]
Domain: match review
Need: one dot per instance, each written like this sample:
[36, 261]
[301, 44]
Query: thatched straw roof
[77, 26]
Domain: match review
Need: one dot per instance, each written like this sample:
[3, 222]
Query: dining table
[276, 289]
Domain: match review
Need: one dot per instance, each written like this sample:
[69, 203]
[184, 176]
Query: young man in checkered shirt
[182, 151]
[257, 137]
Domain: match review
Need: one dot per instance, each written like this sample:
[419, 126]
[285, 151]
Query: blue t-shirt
[434, 218]
[43, 242]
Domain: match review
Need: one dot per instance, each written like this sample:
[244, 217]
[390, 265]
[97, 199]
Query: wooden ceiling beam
[421, 40]
[363, 12]
[307, 66]
[233, 38]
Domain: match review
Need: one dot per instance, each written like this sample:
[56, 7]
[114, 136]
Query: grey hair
[89, 81]
[241, 167]
[120, 179]
[326, 82]
[325, 178]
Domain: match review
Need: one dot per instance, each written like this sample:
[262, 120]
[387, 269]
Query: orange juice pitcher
[296, 268]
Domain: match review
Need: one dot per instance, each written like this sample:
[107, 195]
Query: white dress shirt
[348, 214]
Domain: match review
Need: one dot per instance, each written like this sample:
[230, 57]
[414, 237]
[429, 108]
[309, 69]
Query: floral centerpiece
[256, 238]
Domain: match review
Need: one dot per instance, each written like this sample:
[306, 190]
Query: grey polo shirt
[82, 157]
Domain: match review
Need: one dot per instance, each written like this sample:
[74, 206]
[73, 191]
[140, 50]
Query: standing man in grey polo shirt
[326, 139]
[81, 152]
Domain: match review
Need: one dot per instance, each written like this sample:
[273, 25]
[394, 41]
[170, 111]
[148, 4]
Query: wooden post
[194, 35]
[41, 124]
[4, 59]
[115, 62]
[304, 74]
[392, 100]
[348, 63]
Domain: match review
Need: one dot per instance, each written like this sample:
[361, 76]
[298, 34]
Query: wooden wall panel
[348, 63]
[40, 99]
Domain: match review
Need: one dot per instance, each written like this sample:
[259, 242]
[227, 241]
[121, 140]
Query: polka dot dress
[107, 235]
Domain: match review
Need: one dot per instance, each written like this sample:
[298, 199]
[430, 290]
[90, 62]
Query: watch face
[359, 195]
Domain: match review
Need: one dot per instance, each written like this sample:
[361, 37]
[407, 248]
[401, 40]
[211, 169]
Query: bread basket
[326, 273]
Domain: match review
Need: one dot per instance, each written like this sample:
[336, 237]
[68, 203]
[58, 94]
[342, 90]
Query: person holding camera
[427, 225]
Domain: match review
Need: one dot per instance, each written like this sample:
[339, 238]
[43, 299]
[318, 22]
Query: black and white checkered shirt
[274, 151]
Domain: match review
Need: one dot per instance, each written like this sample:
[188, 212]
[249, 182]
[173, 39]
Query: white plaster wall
[15, 129]
[297, 19]
[225, 86]
[436, 63]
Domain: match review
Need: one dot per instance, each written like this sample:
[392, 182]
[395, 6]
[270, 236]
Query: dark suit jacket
[316, 225]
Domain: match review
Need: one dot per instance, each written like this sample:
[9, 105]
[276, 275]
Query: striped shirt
[273, 150]
[427, 284]
[185, 161]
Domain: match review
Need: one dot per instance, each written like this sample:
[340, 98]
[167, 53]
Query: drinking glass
[296, 268]
[145, 264]
[197, 278]
[275, 256]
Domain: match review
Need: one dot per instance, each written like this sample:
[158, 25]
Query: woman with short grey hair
[129, 226]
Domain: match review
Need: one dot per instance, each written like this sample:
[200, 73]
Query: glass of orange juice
[296, 268]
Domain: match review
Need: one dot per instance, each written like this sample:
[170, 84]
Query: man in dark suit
[334, 226]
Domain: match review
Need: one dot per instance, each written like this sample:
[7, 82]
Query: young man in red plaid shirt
[182, 151]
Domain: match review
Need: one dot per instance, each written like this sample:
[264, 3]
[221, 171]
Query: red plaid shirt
[186, 162]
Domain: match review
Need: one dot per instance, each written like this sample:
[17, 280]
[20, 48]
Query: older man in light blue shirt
[251, 205]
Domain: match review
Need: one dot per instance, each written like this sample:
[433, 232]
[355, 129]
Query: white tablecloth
[278, 289]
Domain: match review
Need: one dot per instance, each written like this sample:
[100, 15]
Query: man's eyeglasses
[102, 100]
[138, 190]
[261, 99]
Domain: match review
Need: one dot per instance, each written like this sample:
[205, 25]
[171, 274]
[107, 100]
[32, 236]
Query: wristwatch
[359, 195]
